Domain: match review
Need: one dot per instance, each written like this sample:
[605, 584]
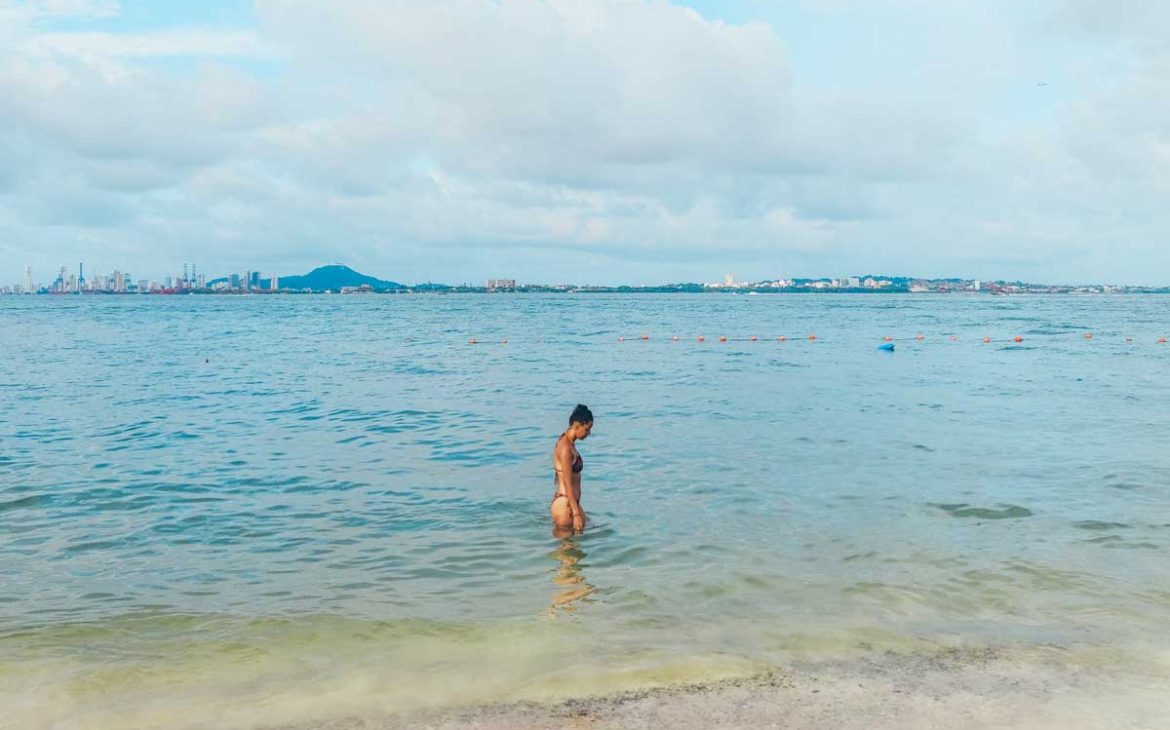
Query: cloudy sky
[591, 141]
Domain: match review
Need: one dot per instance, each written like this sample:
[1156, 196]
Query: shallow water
[265, 509]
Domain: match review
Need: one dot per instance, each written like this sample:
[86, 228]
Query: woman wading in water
[566, 502]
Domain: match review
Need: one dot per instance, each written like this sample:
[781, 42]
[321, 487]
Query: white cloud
[427, 140]
[91, 46]
[85, 9]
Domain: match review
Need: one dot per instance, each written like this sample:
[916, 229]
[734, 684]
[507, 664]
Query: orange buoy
[954, 339]
[920, 336]
[887, 338]
[1161, 340]
[812, 337]
[504, 341]
[471, 341]
[722, 338]
[702, 338]
[1088, 335]
[1017, 338]
[781, 338]
[674, 339]
[754, 338]
[986, 340]
[621, 339]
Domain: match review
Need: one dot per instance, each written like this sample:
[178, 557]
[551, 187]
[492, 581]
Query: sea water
[241, 510]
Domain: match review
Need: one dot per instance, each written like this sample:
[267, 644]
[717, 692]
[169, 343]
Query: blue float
[888, 347]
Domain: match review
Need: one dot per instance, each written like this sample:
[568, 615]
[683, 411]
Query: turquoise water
[242, 510]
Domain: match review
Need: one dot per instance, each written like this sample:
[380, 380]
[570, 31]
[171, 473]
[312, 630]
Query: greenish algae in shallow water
[157, 670]
[957, 688]
[194, 671]
[1005, 511]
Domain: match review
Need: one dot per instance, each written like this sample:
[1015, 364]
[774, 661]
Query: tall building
[247, 280]
[275, 283]
[28, 280]
[729, 280]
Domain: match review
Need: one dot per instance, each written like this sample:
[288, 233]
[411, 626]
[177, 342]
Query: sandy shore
[953, 690]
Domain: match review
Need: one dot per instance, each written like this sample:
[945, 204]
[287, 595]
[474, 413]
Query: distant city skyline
[611, 141]
[191, 279]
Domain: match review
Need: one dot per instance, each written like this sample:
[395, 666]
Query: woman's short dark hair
[581, 414]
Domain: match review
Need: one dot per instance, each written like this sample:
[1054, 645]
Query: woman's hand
[579, 521]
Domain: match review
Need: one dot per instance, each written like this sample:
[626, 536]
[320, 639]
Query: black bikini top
[577, 464]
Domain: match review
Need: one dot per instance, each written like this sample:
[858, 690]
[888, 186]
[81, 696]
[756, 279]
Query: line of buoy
[813, 338]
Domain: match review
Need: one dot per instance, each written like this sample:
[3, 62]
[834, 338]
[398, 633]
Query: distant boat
[752, 293]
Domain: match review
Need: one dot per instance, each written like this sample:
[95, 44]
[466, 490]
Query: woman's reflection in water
[568, 578]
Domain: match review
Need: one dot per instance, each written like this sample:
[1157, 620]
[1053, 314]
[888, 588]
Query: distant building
[28, 287]
[234, 281]
[274, 284]
[854, 282]
[501, 284]
[976, 285]
[729, 280]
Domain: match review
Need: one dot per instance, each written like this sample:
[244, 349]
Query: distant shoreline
[1041, 291]
[341, 279]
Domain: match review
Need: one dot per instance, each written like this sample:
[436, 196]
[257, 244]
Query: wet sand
[952, 689]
